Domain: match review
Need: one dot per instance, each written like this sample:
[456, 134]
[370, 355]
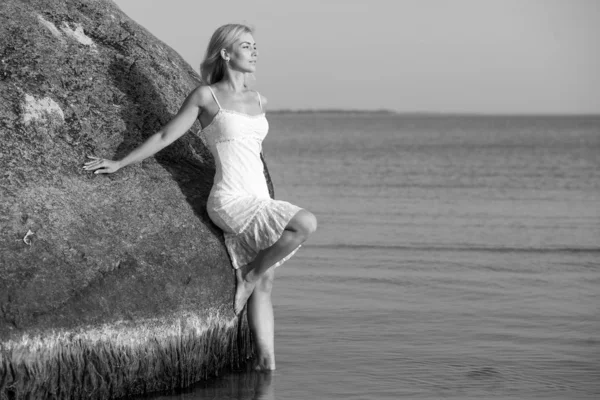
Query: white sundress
[239, 202]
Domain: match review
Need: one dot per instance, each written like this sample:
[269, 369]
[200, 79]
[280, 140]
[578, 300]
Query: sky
[439, 56]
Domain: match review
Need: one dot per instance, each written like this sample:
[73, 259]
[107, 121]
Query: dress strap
[214, 96]
[259, 101]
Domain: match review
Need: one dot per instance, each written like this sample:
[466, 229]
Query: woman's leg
[300, 227]
[261, 321]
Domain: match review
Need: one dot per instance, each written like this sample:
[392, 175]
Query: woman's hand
[101, 165]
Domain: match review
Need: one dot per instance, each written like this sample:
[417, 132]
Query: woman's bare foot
[264, 368]
[243, 291]
[264, 364]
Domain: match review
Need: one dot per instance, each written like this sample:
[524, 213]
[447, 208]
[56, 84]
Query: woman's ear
[224, 55]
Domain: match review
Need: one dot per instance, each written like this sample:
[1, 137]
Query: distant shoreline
[429, 114]
[330, 111]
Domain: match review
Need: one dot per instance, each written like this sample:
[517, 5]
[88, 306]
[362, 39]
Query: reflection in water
[237, 386]
[251, 385]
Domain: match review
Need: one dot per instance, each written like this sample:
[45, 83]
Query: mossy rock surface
[81, 78]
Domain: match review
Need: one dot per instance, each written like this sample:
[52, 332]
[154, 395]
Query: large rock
[101, 271]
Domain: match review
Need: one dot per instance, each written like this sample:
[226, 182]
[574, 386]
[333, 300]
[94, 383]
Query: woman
[260, 233]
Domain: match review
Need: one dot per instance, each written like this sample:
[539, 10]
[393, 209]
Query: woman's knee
[305, 223]
[311, 223]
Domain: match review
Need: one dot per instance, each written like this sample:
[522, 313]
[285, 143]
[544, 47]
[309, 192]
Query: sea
[456, 257]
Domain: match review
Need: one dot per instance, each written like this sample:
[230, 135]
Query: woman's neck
[234, 81]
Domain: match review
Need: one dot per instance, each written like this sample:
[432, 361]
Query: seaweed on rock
[123, 359]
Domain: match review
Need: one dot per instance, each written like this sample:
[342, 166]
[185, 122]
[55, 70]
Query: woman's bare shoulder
[201, 96]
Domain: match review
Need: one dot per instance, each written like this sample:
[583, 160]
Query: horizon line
[431, 113]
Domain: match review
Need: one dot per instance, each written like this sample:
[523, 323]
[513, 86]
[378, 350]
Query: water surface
[456, 257]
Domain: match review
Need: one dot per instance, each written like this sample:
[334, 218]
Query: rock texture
[81, 252]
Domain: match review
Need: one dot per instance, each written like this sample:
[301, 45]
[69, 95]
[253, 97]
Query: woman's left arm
[262, 156]
[267, 176]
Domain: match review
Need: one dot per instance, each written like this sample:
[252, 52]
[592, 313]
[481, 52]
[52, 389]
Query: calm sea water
[456, 257]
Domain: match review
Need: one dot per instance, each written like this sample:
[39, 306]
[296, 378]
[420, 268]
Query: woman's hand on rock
[101, 165]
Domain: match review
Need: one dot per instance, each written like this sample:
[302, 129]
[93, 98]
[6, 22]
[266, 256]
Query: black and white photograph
[293, 200]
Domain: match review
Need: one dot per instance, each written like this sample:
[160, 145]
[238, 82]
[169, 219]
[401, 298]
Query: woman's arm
[262, 156]
[172, 131]
[267, 176]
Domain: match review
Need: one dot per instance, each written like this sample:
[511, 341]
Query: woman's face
[243, 54]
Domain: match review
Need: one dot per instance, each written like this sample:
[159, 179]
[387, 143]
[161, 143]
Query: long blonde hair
[212, 69]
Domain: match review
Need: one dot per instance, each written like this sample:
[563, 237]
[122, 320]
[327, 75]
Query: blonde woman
[260, 233]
